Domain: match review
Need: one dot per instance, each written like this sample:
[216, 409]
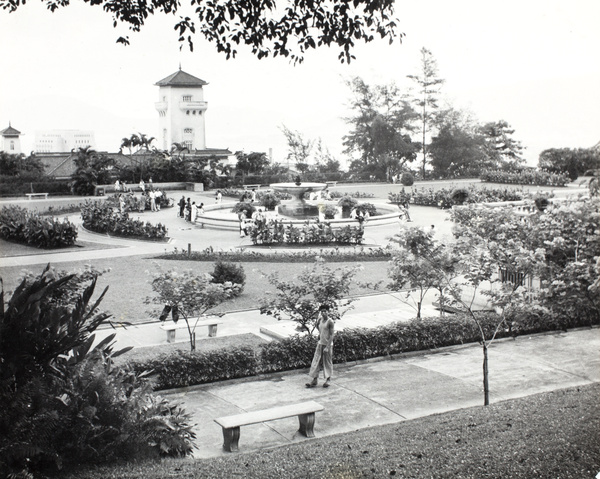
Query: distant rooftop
[10, 131]
[181, 79]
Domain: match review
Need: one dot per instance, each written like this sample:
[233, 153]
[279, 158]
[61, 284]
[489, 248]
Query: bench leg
[231, 437]
[212, 330]
[171, 336]
[307, 423]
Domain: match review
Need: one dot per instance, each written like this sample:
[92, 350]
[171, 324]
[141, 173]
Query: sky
[534, 64]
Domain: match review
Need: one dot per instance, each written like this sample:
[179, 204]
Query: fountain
[297, 207]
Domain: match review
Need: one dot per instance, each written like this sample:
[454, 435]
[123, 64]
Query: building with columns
[10, 140]
[181, 110]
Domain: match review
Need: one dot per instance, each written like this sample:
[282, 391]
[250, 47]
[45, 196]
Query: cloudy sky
[534, 63]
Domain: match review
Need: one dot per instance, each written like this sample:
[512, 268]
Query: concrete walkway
[389, 391]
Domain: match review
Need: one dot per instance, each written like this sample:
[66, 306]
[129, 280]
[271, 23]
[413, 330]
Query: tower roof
[10, 131]
[182, 79]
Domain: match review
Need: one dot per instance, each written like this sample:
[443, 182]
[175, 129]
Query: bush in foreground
[64, 402]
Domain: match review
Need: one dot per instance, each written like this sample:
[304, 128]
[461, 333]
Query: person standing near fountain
[324, 349]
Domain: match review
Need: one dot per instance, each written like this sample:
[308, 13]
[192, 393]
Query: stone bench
[171, 328]
[35, 195]
[249, 187]
[231, 424]
[331, 183]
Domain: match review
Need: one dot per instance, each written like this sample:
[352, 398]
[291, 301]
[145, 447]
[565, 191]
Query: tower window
[188, 130]
[187, 97]
[187, 112]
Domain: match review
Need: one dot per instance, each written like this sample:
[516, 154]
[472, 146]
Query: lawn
[129, 280]
[549, 435]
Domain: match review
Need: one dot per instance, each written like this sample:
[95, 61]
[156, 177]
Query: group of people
[257, 218]
[189, 210]
[359, 214]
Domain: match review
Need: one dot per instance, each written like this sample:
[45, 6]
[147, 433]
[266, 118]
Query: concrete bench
[171, 328]
[331, 183]
[231, 424]
[35, 195]
[249, 187]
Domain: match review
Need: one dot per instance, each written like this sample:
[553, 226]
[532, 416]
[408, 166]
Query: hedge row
[277, 233]
[331, 255]
[184, 368]
[102, 218]
[526, 177]
[9, 186]
[28, 227]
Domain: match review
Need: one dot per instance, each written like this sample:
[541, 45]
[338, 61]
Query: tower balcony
[193, 105]
[161, 105]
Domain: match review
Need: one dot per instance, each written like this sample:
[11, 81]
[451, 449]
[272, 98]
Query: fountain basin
[297, 207]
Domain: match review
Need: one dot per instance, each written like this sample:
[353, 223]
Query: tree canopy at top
[288, 29]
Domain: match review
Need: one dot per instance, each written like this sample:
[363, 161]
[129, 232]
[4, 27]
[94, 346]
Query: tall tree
[501, 148]
[264, 26]
[380, 133]
[573, 161]
[429, 85]
[299, 149]
[457, 149]
[253, 162]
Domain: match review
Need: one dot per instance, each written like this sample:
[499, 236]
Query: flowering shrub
[334, 255]
[526, 177]
[275, 232]
[102, 218]
[23, 226]
[447, 197]
[226, 272]
[356, 194]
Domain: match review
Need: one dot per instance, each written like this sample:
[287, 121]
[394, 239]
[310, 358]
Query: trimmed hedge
[11, 186]
[447, 197]
[182, 369]
[23, 226]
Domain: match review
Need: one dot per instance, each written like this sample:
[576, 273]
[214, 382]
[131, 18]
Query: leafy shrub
[247, 208]
[347, 202]
[23, 226]
[402, 198]
[275, 232]
[444, 197]
[367, 208]
[269, 201]
[19, 186]
[226, 272]
[329, 212]
[102, 218]
[407, 179]
[185, 369]
[356, 194]
[526, 177]
[64, 402]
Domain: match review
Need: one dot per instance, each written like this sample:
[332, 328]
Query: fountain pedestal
[297, 207]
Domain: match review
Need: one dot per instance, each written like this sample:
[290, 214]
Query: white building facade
[181, 111]
[10, 141]
[58, 141]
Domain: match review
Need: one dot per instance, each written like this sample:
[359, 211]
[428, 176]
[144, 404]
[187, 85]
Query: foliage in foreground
[29, 227]
[493, 442]
[64, 401]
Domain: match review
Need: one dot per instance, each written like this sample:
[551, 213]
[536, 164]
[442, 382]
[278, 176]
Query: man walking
[324, 348]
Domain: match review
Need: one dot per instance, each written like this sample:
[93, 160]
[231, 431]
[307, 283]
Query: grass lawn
[9, 249]
[129, 280]
[549, 435]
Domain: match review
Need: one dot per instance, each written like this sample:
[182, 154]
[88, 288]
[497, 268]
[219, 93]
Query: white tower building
[181, 110]
[11, 143]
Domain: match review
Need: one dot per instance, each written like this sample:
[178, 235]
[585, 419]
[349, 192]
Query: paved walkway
[389, 391]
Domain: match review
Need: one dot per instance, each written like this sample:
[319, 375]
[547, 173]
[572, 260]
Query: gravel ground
[549, 435]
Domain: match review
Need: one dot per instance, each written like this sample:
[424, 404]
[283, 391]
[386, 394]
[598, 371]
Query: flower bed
[526, 177]
[23, 226]
[102, 218]
[277, 233]
[447, 197]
